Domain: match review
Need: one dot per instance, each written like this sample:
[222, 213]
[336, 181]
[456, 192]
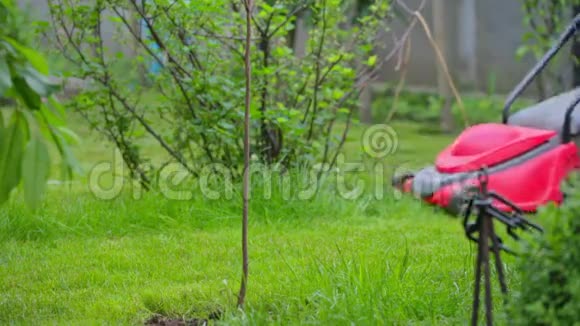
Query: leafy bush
[549, 268]
[426, 108]
[190, 55]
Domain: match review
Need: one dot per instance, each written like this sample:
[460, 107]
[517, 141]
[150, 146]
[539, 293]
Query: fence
[482, 40]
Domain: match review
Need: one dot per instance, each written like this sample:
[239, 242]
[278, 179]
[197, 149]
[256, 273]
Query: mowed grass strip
[328, 260]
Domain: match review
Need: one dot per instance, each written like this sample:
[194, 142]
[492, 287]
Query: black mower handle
[566, 132]
[566, 35]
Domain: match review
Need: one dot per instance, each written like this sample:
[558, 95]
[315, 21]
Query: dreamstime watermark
[380, 141]
[348, 179]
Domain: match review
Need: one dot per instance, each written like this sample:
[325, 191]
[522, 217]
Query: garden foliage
[549, 269]
[180, 80]
[544, 22]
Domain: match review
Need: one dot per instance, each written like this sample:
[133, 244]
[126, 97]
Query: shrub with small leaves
[549, 268]
[190, 55]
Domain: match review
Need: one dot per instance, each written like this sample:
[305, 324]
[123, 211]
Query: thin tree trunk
[249, 4]
[365, 101]
[446, 118]
[301, 34]
[135, 47]
[365, 96]
[541, 86]
[468, 42]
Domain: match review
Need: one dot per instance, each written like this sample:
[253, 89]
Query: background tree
[302, 104]
[545, 21]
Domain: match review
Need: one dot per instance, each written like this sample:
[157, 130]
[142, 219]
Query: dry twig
[444, 65]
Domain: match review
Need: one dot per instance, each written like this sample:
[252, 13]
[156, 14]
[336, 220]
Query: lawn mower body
[528, 156]
[525, 165]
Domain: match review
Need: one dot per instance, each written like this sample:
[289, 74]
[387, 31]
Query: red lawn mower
[527, 157]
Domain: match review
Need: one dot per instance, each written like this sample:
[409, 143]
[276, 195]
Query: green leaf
[35, 171]
[226, 125]
[70, 136]
[28, 95]
[69, 163]
[372, 60]
[5, 76]
[334, 58]
[39, 83]
[521, 52]
[54, 115]
[35, 59]
[337, 94]
[11, 146]
[267, 8]
[8, 48]
[58, 109]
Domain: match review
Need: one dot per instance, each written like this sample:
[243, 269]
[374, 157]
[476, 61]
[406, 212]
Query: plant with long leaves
[35, 118]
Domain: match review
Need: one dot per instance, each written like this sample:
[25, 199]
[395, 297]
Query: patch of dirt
[166, 321]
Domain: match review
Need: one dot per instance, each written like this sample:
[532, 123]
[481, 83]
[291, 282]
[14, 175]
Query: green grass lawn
[325, 259]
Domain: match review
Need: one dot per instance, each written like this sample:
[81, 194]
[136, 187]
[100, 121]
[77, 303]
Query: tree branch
[317, 68]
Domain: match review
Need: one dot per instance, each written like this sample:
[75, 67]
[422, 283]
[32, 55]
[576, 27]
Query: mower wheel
[459, 200]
